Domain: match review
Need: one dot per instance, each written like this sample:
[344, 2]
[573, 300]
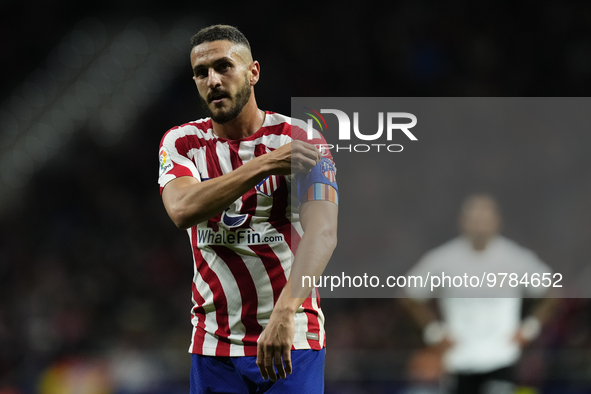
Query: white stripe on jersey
[223, 152]
[246, 151]
[233, 298]
[198, 155]
[205, 292]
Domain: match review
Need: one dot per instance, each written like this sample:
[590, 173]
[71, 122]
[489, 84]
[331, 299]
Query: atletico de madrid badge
[268, 185]
[328, 170]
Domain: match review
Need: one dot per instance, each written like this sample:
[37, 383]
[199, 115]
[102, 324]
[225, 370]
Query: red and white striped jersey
[242, 257]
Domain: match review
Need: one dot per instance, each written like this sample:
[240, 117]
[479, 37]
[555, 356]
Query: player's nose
[213, 79]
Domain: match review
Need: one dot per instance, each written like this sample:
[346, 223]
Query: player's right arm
[422, 309]
[188, 201]
[433, 331]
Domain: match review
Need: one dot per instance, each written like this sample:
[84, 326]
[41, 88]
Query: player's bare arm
[421, 313]
[532, 325]
[189, 201]
[319, 222]
[424, 316]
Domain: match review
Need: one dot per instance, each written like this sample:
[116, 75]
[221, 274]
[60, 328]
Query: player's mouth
[218, 97]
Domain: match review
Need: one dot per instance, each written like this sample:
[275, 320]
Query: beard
[240, 99]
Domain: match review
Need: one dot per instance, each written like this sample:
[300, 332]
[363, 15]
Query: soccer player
[481, 337]
[227, 179]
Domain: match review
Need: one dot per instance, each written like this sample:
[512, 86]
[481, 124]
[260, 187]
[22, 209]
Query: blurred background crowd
[94, 277]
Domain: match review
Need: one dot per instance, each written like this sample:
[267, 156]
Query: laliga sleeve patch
[165, 161]
[319, 184]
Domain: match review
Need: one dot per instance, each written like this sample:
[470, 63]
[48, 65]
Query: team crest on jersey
[268, 185]
[165, 162]
[328, 170]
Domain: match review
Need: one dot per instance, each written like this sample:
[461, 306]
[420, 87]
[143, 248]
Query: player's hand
[443, 346]
[520, 339]
[274, 346]
[297, 156]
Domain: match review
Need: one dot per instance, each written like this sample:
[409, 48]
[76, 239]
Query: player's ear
[255, 72]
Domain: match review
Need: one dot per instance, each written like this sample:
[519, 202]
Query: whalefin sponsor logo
[247, 236]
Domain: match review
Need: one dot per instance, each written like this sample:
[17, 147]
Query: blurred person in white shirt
[480, 338]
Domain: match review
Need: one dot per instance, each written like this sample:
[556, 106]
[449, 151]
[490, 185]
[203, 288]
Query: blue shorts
[240, 375]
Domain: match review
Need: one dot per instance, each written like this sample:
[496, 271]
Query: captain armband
[319, 184]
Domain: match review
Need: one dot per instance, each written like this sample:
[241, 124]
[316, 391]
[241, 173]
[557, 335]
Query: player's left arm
[546, 301]
[532, 325]
[319, 222]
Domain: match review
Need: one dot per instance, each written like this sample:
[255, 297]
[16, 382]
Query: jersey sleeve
[320, 183]
[174, 159]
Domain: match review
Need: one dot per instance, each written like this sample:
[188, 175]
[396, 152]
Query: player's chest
[218, 158]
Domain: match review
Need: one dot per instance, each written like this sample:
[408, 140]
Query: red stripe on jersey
[273, 268]
[179, 170]
[259, 150]
[219, 299]
[313, 325]
[213, 164]
[198, 312]
[201, 125]
[279, 129]
[249, 199]
[235, 159]
[248, 293]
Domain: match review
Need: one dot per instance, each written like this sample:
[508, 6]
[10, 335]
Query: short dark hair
[219, 32]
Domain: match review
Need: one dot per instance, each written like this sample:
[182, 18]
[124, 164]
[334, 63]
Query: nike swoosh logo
[233, 221]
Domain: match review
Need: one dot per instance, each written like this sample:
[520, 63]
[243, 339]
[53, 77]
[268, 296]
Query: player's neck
[480, 244]
[249, 121]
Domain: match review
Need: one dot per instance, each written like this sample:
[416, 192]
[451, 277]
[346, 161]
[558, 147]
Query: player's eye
[224, 67]
[201, 73]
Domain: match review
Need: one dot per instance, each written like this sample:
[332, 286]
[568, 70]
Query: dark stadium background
[93, 275]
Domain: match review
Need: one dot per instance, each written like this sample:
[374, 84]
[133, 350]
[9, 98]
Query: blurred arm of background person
[424, 315]
[540, 314]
